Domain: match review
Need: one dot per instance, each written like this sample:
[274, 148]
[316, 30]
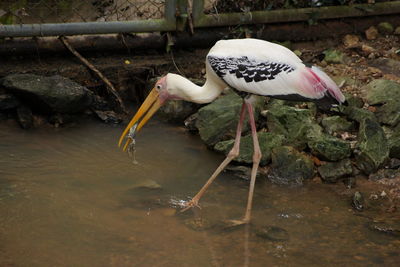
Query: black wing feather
[249, 70]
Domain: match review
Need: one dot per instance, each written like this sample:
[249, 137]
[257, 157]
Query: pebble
[273, 233]
[367, 49]
[371, 33]
[351, 41]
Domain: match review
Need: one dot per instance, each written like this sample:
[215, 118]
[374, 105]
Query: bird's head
[160, 93]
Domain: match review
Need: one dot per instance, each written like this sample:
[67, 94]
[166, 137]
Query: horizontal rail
[294, 15]
[81, 28]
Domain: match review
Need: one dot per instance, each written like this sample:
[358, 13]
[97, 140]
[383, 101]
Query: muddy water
[69, 197]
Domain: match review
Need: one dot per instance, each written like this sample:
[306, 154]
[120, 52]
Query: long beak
[147, 109]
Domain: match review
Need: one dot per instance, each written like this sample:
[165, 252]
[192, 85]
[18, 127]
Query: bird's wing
[263, 68]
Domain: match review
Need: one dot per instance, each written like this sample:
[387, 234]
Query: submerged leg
[256, 162]
[231, 155]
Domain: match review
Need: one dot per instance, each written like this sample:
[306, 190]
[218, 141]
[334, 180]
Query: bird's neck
[198, 94]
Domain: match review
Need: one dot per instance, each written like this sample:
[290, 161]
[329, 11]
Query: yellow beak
[147, 109]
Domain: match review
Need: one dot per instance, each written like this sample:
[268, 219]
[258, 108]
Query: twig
[109, 86]
[190, 15]
[173, 61]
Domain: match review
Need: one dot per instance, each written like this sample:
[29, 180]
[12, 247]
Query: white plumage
[300, 81]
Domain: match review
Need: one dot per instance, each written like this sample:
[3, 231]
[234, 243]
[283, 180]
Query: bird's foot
[190, 204]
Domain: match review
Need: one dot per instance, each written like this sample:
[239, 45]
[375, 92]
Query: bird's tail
[328, 85]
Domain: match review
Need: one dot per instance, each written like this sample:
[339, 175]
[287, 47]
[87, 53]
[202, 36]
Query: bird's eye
[158, 87]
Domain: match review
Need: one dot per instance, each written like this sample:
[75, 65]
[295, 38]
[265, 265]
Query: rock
[354, 101]
[389, 228]
[198, 224]
[384, 174]
[386, 94]
[351, 41]
[218, 120]
[290, 167]
[58, 119]
[397, 30]
[146, 185]
[177, 110]
[55, 93]
[333, 56]
[8, 101]
[99, 103]
[244, 172]
[273, 233]
[267, 141]
[357, 201]
[387, 65]
[367, 50]
[394, 163]
[358, 114]
[380, 91]
[394, 144]
[372, 147]
[332, 171]
[385, 28]
[297, 53]
[336, 124]
[389, 113]
[330, 148]
[350, 182]
[24, 117]
[371, 33]
[295, 124]
[190, 123]
[108, 116]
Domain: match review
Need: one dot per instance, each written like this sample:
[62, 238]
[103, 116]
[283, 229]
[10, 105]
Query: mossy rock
[385, 28]
[330, 148]
[334, 56]
[218, 120]
[389, 113]
[386, 95]
[354, 101]
[336, 124]
[331, 172]
[358, 114]
[394, 143]
[381, 90]
[296, 124]
[289, 166]
[267, 142]
[372, 147]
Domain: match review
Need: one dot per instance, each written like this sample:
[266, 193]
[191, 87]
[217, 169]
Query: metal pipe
[81, 28]
[296, 15]
[204, 37]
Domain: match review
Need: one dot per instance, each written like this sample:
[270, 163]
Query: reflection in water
[70, 197]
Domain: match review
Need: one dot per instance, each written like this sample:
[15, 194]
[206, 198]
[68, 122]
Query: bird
[250, 67]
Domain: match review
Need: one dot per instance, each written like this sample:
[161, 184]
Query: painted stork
[250, 67]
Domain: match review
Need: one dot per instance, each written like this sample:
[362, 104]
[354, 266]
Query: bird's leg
[231, 155]
[256, 162]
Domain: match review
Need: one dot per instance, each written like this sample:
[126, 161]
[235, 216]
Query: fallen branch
[109, 86]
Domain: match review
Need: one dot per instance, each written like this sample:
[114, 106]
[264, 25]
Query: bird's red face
[156, 98]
